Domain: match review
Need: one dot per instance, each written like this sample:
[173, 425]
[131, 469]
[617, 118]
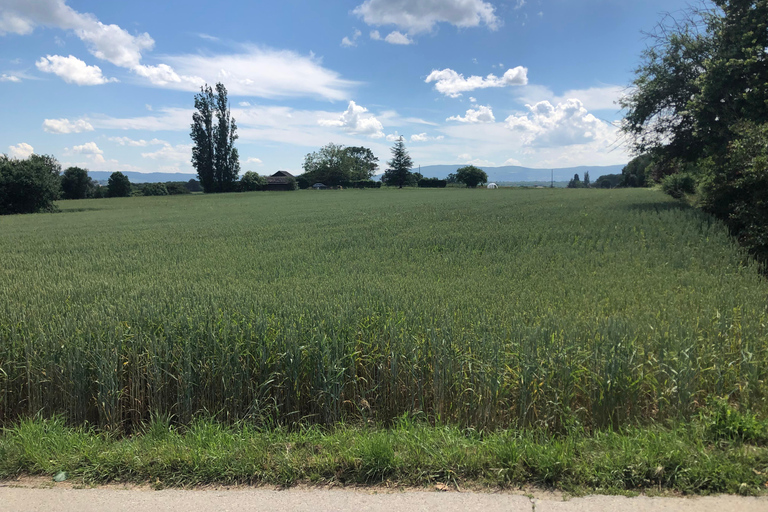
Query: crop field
[474, 308]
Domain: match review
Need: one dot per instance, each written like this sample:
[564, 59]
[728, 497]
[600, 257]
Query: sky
[110, 86]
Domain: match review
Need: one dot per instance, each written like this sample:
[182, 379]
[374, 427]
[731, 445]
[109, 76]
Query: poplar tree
[214, 155]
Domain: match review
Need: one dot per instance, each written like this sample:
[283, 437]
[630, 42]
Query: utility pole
[552, 185]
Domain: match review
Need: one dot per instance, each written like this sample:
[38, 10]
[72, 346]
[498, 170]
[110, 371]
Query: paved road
[14, 499]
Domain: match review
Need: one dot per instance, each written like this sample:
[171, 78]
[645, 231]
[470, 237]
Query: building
[281, 180]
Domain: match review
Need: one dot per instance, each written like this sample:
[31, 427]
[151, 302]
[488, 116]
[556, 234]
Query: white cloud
[106, 42]
[355, 120]
[604, 97]
[396, 37]
[564, 124]
[163, 74]
[519, 4]
[9, 78]
[245, 104]
[418, 16]
[127, 141]
[423, 137]
[261, 72]
[72, 70]
[67, 126]
[512, 161]
[483, 114]
[347, 42]
[21, 150]
[252, 160]
[178, 153]
[472, 100]
[452, 84]
[392, 137]
[90, 150]
[375, 35]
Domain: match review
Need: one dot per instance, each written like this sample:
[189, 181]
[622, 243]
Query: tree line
[697, 114]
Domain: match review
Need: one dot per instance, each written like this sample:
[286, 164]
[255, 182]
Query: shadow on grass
[77, 210]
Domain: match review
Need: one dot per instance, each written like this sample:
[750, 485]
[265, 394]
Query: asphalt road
[17, 499]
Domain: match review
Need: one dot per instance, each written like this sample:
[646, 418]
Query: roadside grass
[703, 456]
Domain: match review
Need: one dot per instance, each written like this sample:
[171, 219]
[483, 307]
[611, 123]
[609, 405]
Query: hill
[144, 177]
[514, 173]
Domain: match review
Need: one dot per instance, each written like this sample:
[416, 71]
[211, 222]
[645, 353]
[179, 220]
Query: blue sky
[110, 85]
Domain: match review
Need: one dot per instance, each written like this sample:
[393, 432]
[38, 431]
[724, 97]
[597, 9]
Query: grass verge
[722, 451]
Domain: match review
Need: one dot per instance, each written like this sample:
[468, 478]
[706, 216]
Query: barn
[281, 180]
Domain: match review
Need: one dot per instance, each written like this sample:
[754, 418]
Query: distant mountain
[519, 174]
[144, 177]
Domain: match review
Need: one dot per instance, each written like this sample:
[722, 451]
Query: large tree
[334, 164]
[118, 185]
[471, 176]
[399, 170]
[214, 155]
[76, 184]
[28, 186]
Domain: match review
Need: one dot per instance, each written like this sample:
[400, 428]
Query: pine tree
[214, 155]
[399, 167]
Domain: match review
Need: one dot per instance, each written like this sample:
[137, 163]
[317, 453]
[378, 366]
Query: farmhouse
[281, 180]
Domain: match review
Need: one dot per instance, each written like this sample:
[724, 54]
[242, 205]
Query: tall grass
[477, 308]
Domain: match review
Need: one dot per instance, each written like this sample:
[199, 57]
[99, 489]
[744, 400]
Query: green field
[473, 308]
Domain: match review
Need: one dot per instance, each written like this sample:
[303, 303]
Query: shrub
[194, 186]
[252, 181]
[154, 189]
[677, 185]
[28, 186]
[75, 184]
[175, 188]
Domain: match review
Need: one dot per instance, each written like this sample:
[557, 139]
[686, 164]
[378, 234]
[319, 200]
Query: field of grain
[470, 307]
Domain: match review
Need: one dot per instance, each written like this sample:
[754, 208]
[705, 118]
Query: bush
[175, 188]
[194, 186]
[28, 186]
[432, 183]
[360, 184]
[118, 185]
[677, 185]
[75, 184]
[252, 181]
[154, 189]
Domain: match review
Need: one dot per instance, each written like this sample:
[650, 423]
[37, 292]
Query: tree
[637, 172]
[75, 184]
[118, 185]
[471, 176]
[154, 189]
[586, 180]
[214, 155]
[399, 170]
[335, 164]
[575, 182]
[28, 186]
[252, 181]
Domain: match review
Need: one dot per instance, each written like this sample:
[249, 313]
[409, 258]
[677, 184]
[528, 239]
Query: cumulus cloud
[452, 84]
[472, 100]
[482, 114]
[396, 37]
[21, 150]
[127, 141]
[392, 137]
[90, 150]
[347, 42]
[423, 137]
[564, 124]
[356, 120]
[418, 16]
[163, 74]
[67, 126]
[375, 35]
[9, 78]
[72, 70]
[252, 160]
[512, 161]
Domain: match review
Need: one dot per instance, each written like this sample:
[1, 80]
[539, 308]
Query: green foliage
[75, 184]
[608, 181]
[335, 164]
[176, 188]
[637, 172]
[736, 188]
[252, 181]
[471, 176]
[724, 422]
[214, 155]
[119, 185]
[194, 186]
[399, 172]
[154, 189]
[306, 308]
[575, 182]
[28, 186]
[678, 185]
